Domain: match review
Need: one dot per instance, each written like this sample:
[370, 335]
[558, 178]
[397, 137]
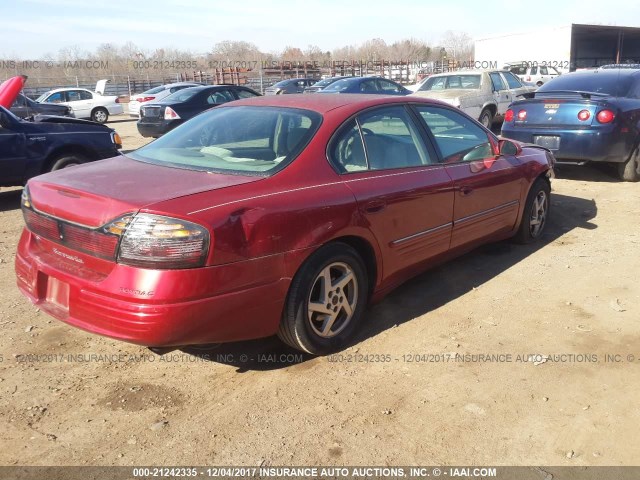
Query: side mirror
[507, 147]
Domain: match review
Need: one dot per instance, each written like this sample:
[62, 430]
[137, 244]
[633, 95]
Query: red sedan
[282, 215]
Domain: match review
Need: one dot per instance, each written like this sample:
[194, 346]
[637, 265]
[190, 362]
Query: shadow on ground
[10, 200]
[420, 295]
[593, 172]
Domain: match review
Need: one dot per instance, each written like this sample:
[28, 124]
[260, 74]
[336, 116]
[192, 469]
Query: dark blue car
[29, 148]
[377, 85]
[590, 116]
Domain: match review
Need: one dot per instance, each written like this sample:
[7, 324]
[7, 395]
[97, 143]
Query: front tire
[100, 115]
[629, 171]
[326, 301]
[536, 212]
[67, 161]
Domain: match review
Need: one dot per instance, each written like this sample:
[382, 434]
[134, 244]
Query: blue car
[589, 116]
[377, 85]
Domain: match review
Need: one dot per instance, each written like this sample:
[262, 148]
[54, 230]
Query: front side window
[385, 138]
[57, 97]
[368, 86]
[386, 86]
[221, 96]
[237, 140]
[458, 138]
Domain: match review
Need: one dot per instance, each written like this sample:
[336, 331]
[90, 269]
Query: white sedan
[85, 103]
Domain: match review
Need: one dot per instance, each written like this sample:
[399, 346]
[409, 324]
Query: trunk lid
[94, 194]
[101, 86]
[9, 90]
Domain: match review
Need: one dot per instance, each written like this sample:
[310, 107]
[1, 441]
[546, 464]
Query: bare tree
[458, 45]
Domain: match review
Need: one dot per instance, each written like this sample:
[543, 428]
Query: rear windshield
[243, 140]
[325, 82]
[471, 82]
[155, 90]
[597, 82]
[182, 95]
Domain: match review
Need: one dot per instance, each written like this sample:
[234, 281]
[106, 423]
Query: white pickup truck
[482, 94]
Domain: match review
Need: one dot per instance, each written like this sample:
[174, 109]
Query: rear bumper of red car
[157, 308]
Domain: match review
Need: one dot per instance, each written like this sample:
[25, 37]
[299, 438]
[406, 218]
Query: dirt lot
[71, 398]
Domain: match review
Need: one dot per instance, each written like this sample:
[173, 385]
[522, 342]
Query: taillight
[117, 99]
[522, 115]
[605, 116]
[584, 115]
[528, 79]
[146, 99]
[508, 116]
[170, 114]
[154, 241]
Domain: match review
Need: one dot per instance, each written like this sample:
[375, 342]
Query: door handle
[375, 207]
[465, 191]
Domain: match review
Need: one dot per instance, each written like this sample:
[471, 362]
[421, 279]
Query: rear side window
[534, 70]
[512, 81]
[85, 95]
[155, 89]
[458, 138]
[497, 82]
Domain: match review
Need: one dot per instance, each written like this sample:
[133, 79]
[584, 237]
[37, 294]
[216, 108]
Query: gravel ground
[395, 397]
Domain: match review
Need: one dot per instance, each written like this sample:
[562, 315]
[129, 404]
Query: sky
[34, 28]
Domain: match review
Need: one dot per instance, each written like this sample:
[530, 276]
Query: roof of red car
[325, 102]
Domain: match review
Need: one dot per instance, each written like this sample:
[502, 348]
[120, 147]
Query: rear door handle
[464, 191]
[375, 207]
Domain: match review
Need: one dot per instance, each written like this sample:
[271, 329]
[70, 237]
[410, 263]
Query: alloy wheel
[332, 300]
[538, 216]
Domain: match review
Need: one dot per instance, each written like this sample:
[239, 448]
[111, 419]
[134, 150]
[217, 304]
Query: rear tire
[326, 300]
[100, 115]
[536, 213]
[67, 161]
[629, 171]
[486, 118]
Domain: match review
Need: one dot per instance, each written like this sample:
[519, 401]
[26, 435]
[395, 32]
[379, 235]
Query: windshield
[471, 82]
[41, 97]
[242, 140]
[596, 82]
[282, 83]
[182, 95]
[339, 86]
